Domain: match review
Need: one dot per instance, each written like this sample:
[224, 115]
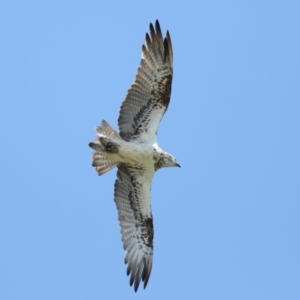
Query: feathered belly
[136, 154]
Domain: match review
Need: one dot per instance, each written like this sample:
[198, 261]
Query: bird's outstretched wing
[148, 97]
[132, 197]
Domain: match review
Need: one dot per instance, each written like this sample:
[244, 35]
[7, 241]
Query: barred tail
[100, 161]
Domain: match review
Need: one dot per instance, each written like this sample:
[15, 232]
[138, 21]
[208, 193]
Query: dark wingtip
[136, 285]
[151, 27]
[157, 23]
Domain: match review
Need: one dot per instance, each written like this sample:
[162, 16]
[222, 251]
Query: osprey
[134, 151]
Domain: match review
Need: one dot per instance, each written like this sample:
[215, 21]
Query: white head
[166, 160]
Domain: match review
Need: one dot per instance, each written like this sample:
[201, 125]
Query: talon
[110, 148]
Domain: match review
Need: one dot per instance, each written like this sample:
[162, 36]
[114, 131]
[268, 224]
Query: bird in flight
[135, 152]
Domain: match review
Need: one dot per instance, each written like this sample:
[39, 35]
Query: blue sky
[226, 224]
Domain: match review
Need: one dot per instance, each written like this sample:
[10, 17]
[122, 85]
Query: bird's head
[170, 161]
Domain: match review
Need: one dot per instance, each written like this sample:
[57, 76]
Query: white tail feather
[100, 161]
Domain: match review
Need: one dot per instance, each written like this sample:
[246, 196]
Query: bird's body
[134, 151]
[135, 154]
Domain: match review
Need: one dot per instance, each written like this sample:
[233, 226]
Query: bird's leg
[110, 147]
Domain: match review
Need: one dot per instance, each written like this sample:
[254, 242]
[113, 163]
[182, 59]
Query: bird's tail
[105, 142]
